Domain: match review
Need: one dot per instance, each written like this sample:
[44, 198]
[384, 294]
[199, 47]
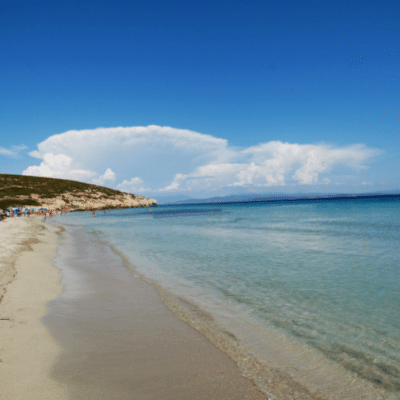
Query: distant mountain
[244, 198]
[21, 190]
[173, 199]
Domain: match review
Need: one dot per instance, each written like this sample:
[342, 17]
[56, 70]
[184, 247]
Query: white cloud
[275, 164]
[109, 175]
[58, 166]
[6, 152]
[19, 147]
[135, 185]
[157, 159]
[14, 152]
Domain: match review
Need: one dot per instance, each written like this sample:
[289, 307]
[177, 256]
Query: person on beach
[94, 213]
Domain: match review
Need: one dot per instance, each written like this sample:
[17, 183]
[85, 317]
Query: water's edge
[265, 352]
[278, 382]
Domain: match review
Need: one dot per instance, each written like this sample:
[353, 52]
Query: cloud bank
[153, 159]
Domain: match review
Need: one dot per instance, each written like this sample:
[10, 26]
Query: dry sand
[28, 281]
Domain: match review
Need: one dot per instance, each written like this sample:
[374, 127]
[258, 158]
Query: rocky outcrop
[95, 201]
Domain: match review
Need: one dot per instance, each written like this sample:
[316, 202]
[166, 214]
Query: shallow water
[311, 288]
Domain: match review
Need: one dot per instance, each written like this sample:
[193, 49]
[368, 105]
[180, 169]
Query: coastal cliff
[55, 194]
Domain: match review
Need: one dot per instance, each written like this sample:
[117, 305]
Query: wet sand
[119, 340]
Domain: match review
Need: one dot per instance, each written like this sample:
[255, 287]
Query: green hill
[19, 190]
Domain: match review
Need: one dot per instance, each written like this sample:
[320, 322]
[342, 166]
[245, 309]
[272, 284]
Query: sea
[304, 291]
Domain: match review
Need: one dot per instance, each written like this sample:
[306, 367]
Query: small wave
[380, 373]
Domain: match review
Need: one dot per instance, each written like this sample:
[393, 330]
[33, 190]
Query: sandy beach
[105, 335]
[28, 281]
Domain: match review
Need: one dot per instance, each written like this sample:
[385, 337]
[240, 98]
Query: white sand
[28, 281]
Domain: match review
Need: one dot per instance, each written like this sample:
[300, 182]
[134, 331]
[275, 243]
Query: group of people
[14, 212]
[26, 212]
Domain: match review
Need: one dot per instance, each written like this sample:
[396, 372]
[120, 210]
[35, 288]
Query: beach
[300, 296]
[96, 334]
[29, 280]
[205, 302]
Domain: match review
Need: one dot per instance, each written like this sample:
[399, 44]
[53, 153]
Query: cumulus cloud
[275, 164]
[58, 166]
[109, 175]
[154, 159]
[134, 185]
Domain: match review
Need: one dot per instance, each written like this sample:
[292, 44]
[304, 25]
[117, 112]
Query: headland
[59, 194]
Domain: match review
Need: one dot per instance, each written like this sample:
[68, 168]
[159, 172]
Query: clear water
[324, 275]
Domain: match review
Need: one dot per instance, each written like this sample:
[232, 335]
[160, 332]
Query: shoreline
[29, 281]
[270, 379]
[282, 368]
[106, 331]
[120, 340]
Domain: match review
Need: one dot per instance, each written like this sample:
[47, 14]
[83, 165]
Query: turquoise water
[321, 275]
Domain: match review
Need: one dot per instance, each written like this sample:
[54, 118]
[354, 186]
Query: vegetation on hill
[17, 190]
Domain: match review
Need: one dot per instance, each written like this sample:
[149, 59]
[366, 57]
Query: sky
[175, 99]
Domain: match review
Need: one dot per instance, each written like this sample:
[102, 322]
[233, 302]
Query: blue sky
[215, 97]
